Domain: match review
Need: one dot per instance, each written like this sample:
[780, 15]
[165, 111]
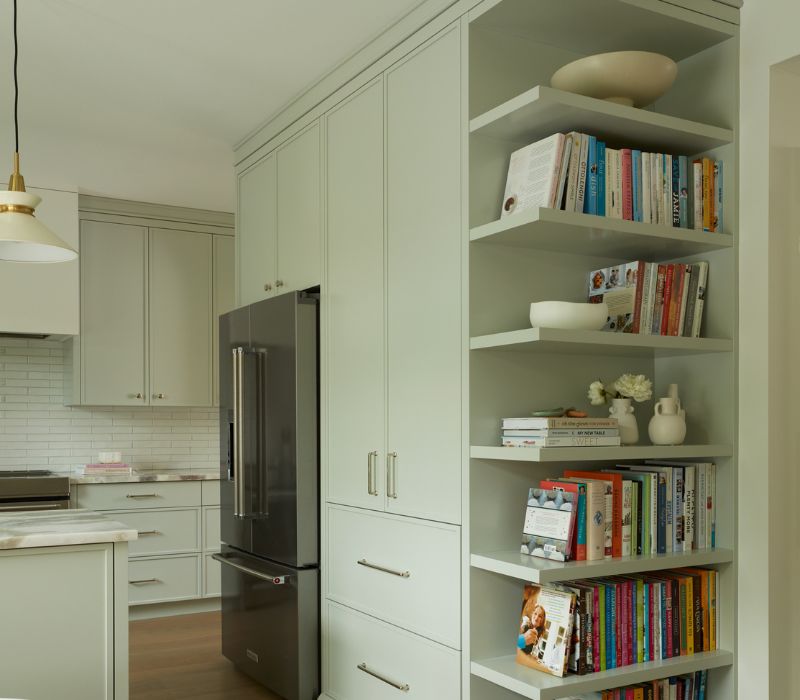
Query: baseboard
[185, 607]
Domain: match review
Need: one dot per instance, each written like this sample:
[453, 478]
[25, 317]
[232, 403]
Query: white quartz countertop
[77, 476]
[23, 529]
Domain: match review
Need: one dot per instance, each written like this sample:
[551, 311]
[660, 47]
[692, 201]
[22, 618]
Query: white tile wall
[37, 431]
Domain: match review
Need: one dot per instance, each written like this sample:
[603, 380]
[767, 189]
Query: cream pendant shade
[23, 238]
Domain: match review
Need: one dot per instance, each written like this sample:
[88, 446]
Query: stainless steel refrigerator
[269, 462]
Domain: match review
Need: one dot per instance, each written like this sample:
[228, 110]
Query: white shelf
[585, 234]
[570, 342]
[598, 454]
[527, 568]
[536, 685]
[542, 111]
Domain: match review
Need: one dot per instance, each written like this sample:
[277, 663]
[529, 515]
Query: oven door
[13, 506]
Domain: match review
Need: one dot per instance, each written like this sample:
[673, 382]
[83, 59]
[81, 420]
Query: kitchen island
[63, 603]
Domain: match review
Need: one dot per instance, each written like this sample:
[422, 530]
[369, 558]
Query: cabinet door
[180, 318]
[113, 314]
[299, 240]
[355, 317]
[224, 296]
[424, 336]
[256, 231]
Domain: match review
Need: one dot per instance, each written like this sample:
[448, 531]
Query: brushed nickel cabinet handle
[142, 495]
[400, 686]
[159, 396]
[279, 283]
[267, 287]
[372, 488]
[146, 533]
[378, 567]
[144, 580]
[139, 395]
[391, 475]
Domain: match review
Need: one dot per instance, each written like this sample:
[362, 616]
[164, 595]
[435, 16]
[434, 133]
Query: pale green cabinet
[278, 226]
[394, 342]
[224, 296]
[257, 231]
[180, 298]
[111, 352]
[354, 300]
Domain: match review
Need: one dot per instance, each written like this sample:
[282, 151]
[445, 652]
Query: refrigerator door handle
[400, 686]
[238, 434]
[276, 580]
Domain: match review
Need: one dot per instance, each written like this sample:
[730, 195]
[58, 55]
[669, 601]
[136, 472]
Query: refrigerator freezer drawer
[270, 623]
[399, 569]
[370, 660]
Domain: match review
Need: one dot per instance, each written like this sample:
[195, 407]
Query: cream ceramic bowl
[568, 315]
[633, 78]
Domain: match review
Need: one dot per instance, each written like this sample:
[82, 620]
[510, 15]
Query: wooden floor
[172, 658]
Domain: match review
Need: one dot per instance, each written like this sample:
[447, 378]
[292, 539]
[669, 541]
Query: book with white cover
[574, 167]
[576, 441]
[533, 176]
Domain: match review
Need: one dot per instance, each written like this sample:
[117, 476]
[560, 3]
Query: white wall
[767, 456]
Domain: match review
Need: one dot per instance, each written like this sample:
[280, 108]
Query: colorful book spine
[665, 311]
[590, 199]
[658, 299]
[683, 186]
[583, 174]
[627, 496]
[702, 280]
[675, 200]
[647, 211]
[601, 178]
[637, 305]
[718, 196]
[667, 191]
[708, 193]
[636, 174]
[697, 202]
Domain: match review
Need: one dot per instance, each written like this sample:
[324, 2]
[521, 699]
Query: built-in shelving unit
[507, 673]
[527, 568]
[545, 254]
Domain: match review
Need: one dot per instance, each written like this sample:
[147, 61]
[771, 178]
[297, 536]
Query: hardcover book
[545, 629]
[533, 176]
[550, 518]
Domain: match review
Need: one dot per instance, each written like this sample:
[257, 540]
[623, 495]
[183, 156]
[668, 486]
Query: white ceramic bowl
[568, 315]
[633, 78]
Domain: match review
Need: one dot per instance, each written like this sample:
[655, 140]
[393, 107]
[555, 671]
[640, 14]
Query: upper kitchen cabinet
[278, 227]
[180, 303]
[151, 290]
[44, 299]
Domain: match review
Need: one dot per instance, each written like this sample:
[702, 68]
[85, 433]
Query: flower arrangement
[628, 386]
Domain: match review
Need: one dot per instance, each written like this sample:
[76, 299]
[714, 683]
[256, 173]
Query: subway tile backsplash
[38, 432]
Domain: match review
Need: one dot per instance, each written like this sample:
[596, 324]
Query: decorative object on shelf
[667, 426]
[575, 413]
[549, 524]
[548, 413]
[568, 315]
[672, 392]
[626, 388]
[632, 78]
[23, 238]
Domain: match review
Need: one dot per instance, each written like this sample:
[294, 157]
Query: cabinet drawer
[163, 579]
[165, 494]
[210, 492]
[417, 586]
[163, 531]
[358, 643]
[211, 537]
[212, 577]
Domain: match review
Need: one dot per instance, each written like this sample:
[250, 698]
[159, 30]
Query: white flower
[634, 386]
[597, 393]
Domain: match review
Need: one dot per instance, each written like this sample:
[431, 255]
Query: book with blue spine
[590, 200]
[601, 178]
[683, 181]
[646, 622]
[636, 162]
[676, 192]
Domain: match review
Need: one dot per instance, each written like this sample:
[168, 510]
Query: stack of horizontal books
[536, 431]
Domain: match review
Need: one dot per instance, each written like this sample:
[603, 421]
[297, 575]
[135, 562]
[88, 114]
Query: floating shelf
[542, 111]
[543, 571]
[569, 342]
[529, 683]
[585, 234]
[598, 454]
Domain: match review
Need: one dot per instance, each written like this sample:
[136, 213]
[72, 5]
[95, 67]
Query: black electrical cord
[16, 84]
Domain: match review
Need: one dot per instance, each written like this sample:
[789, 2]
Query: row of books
[577, 172]
[687, 687]
[652, 298]
[652, 508]
[594, 625]
[559, 432]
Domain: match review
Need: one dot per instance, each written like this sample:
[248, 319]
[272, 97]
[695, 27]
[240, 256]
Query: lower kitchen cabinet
[178, 526]
[371, 660]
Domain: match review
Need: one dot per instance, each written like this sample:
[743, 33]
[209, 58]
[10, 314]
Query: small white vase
[667, 426]
[622, 410]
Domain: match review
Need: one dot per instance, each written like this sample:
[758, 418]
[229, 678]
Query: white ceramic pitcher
[667, 426]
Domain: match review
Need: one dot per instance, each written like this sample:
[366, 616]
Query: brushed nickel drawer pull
[142, 495]
[378, 567]
[143, 533]
[145, 580]
[400, 686]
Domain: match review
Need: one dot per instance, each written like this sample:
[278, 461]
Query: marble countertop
[77, 477]
[23, 529]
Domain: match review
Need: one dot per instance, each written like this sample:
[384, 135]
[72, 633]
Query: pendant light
[23, 238]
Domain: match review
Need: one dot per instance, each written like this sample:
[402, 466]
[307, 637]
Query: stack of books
[648, 509]
[535, 431]
[107, 469]
[652, 298]
[577, 172]
[689, 687]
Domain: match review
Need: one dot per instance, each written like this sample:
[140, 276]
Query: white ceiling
[182, 77]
